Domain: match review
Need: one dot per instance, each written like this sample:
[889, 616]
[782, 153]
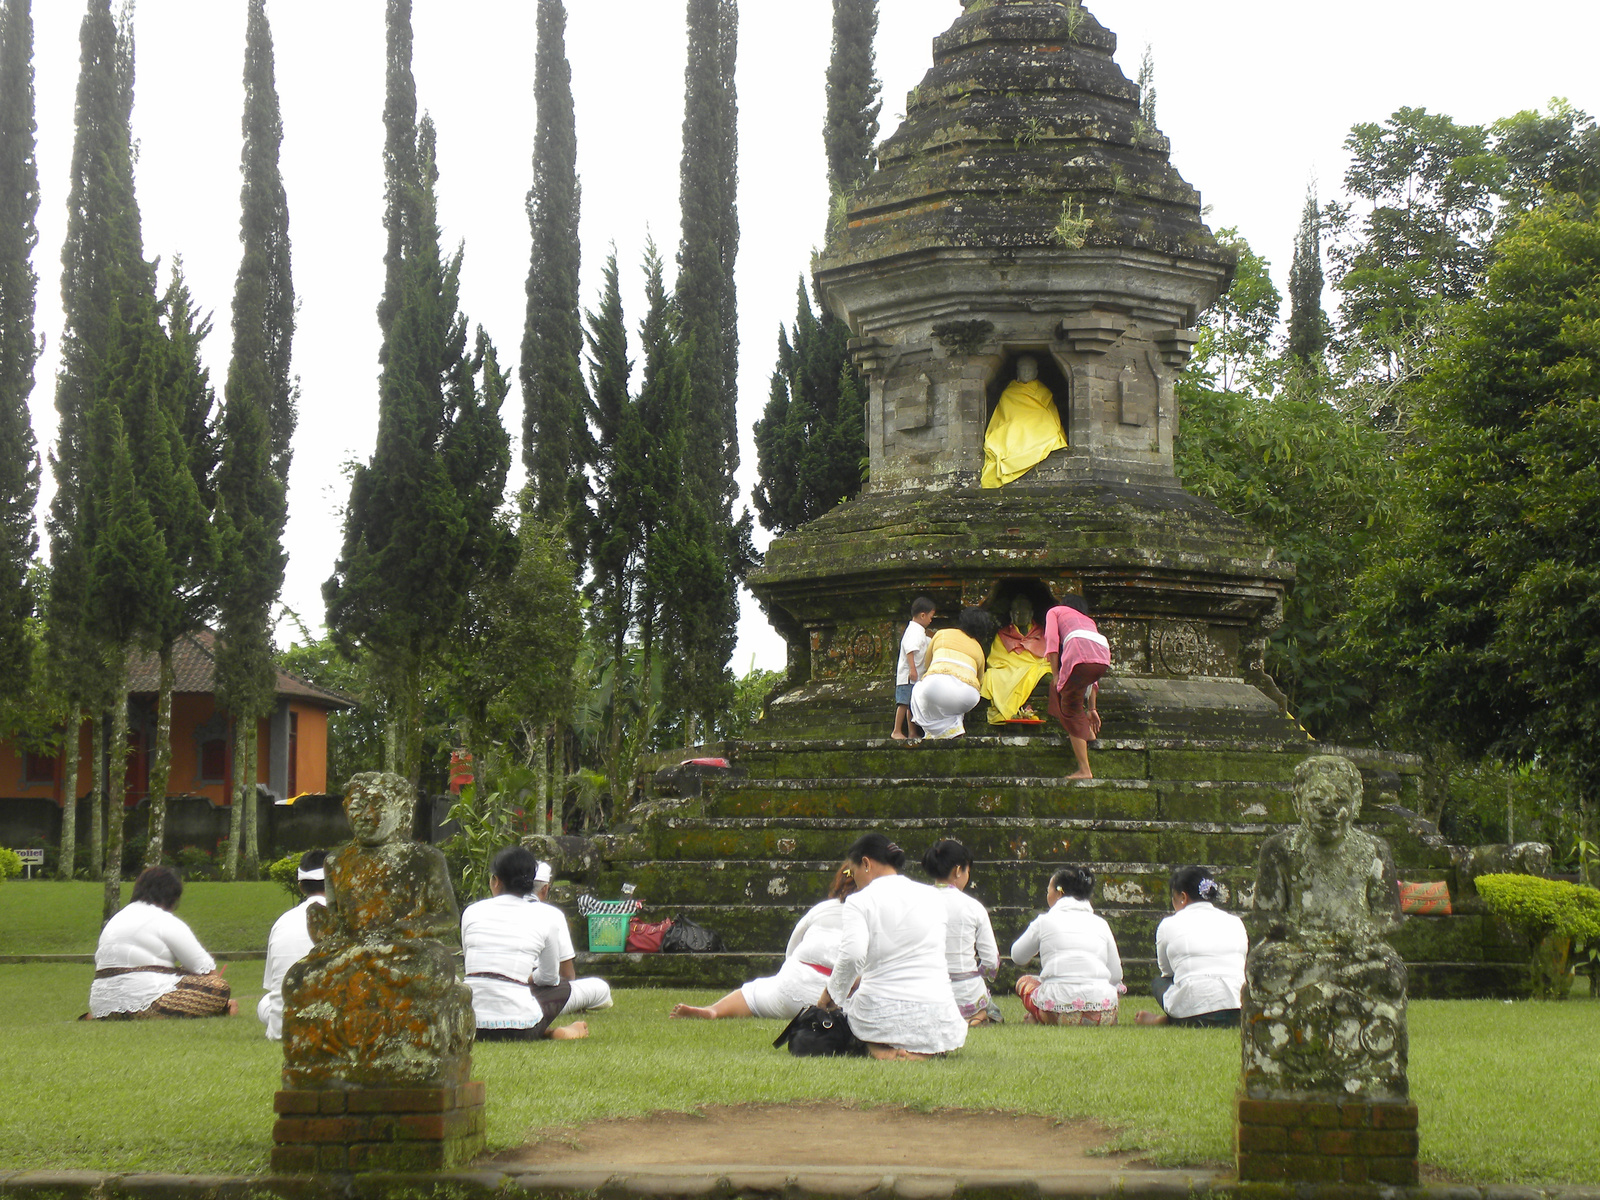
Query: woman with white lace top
[813, 949]
[894, 944]
[1200, 952]
[971, 956]
[1080, 979]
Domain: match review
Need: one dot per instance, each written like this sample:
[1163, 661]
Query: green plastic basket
[608, 932]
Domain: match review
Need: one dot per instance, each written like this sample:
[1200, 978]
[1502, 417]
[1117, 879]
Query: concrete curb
[721, 1182]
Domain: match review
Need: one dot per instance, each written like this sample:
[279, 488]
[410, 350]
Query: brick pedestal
[1314, 1141]
[402, 1129]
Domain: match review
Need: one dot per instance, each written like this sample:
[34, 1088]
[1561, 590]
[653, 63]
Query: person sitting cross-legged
[1200, 952]
[290, 941]
[150, 966]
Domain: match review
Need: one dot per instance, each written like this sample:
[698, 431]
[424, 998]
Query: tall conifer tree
[419, 524]
[557, 446]
[659, 470]
[811, 437]
[1308, 325]
[102, 265]
[257, 428]
[704, 529]
[19, 347]
[620, 450]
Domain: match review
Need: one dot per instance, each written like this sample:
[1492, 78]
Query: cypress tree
[19, 347]
[402, 175]
[709, 538]
[257, 428]
[619, 448]
[419, 521]
[168, 417]
[1147, 90]
[556, 442]
[658, 470]
[811, 437]
[1308, 325]
[102, 262]
[851, 131]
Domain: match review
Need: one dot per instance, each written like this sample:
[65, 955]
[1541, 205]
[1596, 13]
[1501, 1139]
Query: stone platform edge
[727, 1183]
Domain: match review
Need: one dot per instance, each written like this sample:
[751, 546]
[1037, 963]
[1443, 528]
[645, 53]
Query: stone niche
[1024, 208]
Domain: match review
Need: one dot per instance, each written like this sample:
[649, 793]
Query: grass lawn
[1507, 1092]
[54, 917]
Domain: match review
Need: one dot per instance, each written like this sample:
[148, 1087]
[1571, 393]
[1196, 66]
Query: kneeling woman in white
[1200, 952]
[506, 940]
[813, 949]
[894, 943]
[1081, 972]
[971, 956]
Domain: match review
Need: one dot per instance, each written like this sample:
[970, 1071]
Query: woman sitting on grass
[150, 966]
[1200, 952]
[1081, 973]
[971, 956]
[813, 947]
[504, 939]
[894, 943]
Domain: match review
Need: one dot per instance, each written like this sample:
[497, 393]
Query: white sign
[31, 858]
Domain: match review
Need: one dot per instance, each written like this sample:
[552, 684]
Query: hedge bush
[10, 863]
[1542, 907]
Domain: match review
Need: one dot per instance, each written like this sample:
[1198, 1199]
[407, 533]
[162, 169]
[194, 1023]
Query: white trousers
[588, 993]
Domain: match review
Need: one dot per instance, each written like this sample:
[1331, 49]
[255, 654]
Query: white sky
[1256, 95]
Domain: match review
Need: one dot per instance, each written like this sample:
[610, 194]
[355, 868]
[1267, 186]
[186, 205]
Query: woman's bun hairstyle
[1074, 882]
[1197, 883]
[943, 858]
[879, 849]
[517, 870]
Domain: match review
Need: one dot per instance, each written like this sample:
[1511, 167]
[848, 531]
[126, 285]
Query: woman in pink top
[1078, 656]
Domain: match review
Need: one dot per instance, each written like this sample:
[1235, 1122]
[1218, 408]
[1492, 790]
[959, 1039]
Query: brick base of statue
[1313, 1141]
[377, 1129]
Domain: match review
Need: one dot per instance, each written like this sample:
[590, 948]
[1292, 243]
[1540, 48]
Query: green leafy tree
[1484, 613]
[102, 265]
[659, 470]
[705, 537]
[1236, 335]
[853, 95]
[556, 441]
[257, 429]
[811, 438]
[19, 346]
[1308, 324]
[419, 524]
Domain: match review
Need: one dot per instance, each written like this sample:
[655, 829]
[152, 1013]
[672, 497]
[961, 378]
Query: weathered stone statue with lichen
[378, 1005]
[1324, 1007]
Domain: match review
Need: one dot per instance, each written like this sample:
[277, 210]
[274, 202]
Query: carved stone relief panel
[1186, 648]
[1130, 646]
[852, 650]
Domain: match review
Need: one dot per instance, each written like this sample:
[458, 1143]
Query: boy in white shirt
[910, 663]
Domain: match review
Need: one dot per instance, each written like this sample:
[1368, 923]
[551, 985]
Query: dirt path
[818, 1135]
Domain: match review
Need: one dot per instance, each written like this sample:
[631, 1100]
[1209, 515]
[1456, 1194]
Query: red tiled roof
[194, 670]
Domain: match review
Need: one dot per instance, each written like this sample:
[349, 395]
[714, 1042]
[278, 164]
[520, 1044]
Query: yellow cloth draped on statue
[1016, 665]
[1024, 431]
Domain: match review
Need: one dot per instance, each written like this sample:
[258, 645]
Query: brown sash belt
[501, 978]
[113, 972]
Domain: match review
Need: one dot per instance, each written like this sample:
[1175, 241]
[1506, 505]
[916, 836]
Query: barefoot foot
[690, 1010]
[1149, 1018]
[1081, 775]
[570, 1033]
[233, 1008]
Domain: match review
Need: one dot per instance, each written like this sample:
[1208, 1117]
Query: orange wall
[312, 739]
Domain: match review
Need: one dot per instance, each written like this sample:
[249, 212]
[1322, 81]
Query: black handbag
[818, 1032]
[686, 937]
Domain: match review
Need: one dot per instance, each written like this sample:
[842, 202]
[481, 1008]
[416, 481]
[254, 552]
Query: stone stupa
[1025, 208]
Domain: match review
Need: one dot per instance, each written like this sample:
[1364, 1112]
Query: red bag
[646, 939]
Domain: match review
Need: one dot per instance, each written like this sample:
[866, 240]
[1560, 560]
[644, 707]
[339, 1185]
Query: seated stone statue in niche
[1016, 665]
[378, 1003]
[1025, 429]
[1325, 995]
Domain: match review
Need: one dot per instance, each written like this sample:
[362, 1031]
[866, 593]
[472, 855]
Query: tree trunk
[69, 788]
[541, 775]
[251, 851]
[230, 862]
[116, 808]
[1589, 831]
[97, 808]
[161, 764]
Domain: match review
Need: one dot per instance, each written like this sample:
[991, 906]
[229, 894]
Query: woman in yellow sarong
[1016, 664]
[1025, 429]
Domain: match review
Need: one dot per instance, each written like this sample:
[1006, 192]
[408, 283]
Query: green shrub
[195, 863]
[1553, 915]
[286, 874]
[10, 864]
